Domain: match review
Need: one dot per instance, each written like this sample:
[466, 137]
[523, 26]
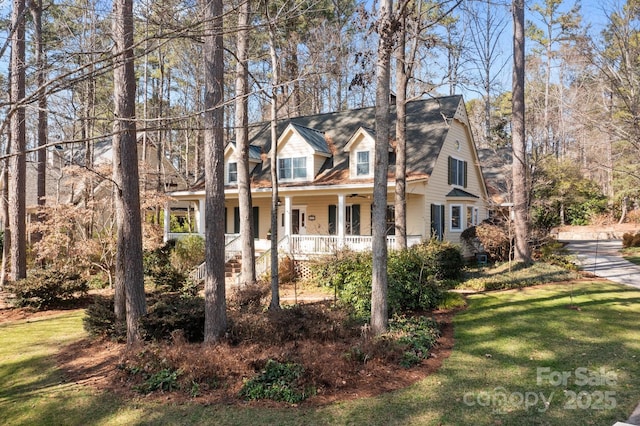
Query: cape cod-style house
[325, 175]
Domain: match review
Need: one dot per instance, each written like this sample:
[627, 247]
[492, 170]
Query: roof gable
[314, 138]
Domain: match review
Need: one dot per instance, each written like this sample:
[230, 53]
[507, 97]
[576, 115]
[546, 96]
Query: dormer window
[232, 176]
[292, 168]
[362, 163]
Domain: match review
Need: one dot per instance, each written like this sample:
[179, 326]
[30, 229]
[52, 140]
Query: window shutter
[433, 220]
[450, 171]
[465, 174]
[236, 220]
[256, 222]
[333, 210]
[355, 219]
[442, 222]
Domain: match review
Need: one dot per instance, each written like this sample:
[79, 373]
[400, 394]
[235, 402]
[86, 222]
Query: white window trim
[461, 221]
[292, 178]
[229, 181]
[355, 164]
[475, 215]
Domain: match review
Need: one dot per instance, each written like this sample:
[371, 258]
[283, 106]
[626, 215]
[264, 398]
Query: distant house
[64, 185]
[325, 175]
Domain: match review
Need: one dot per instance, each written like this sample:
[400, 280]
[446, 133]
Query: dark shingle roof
[461, 193]
[427, 126]
[313, 137]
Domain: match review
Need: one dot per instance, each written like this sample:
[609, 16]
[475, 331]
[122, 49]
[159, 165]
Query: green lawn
[502, 339]
[632, 254]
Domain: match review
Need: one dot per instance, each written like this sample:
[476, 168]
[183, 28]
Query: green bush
[278, 382]
[417, 335]
[100, 320]
[188, 253]
[631, 240]
[157, 265]
[413, 276]
[45, 288]
[166, 313]
[169, 313]
[165, 380]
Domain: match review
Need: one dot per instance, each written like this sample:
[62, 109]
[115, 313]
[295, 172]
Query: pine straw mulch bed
[316, 338]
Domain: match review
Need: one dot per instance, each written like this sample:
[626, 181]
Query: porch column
[341, 220]
[287, 221]
[200, 218]
[167, 221]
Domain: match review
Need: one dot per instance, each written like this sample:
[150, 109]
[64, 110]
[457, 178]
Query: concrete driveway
[603, 258]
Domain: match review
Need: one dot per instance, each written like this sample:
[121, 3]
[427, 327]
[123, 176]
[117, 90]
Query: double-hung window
[457, 172]
[232, 176]
[292, 168]
[362, 163]
[456, 217]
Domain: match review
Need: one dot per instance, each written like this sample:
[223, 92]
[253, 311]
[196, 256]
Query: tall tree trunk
[215, 323]
[36, 13]
[17, 161]
[402, 80]
[242, 142]
[129, 274]
[520, 173]
[379, 309]
[275, 79]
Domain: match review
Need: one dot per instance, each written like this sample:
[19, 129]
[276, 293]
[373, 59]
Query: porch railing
[327, 244]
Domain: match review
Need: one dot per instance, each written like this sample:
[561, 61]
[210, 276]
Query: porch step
[232, 267]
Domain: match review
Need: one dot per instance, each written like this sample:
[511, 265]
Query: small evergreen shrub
[417, 335]
[158, 265]
[46, 288]
[166, 313]
[165, 380]
[100, 320]
[169, 313]
[278, 382]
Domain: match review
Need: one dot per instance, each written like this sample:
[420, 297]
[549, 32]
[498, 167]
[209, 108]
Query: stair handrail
[263, 262]
[198, 274]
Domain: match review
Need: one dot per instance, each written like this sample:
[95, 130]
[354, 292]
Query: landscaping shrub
[555, 253]
[317, 321]
[416, 335]
[414, 276]
[100, 320]
[46, 288]
[157, 265]
[188, 253]
[631, 240]
[278, 382]
[169, 312]
[492, 235]
[166, 314]
[165, 380]
[249, 296]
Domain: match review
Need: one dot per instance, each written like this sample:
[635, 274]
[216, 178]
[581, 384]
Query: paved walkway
[603, 259]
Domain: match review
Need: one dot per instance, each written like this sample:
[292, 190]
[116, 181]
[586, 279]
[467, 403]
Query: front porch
[298, 247]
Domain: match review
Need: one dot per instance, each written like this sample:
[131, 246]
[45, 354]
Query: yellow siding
[438, 186]
[362, 143]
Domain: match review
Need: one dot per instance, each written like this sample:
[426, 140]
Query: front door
[298, 221]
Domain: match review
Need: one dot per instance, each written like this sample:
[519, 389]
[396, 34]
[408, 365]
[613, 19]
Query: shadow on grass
[499, 352]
